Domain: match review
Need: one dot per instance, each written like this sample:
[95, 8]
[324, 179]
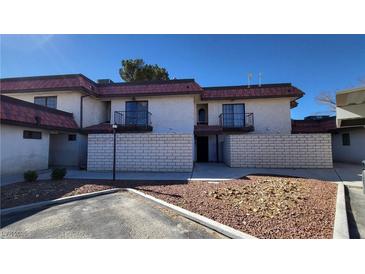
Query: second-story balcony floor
[133, 120]
[228, 123]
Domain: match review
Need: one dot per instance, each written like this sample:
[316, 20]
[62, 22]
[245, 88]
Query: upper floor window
[202, 116]
[234, 115]
[136, 113]
[47, 101]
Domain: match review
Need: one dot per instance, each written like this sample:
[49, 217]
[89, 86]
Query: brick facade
[278, 151]
[141, 152]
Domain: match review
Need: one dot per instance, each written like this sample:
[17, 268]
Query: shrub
[30, 176]
[58, 173]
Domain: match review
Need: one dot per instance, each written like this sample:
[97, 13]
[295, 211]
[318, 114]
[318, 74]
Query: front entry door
[202, 148]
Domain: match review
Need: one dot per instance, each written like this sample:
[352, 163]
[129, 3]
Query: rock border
[21, 208]
[221, 228]
[340, 227]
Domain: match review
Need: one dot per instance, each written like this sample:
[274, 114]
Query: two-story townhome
[169, 125]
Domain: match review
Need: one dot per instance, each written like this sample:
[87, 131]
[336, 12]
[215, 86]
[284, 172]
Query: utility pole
[115, 126]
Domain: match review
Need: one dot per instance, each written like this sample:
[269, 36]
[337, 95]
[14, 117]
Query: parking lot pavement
[120, 215]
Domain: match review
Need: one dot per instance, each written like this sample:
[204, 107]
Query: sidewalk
[346, 173]
[349, 174]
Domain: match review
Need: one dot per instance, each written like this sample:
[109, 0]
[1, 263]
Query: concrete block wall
[278, 150]
[141, 152]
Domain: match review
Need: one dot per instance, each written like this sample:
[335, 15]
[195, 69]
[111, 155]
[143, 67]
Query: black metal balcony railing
[236, 121]
[133, 119]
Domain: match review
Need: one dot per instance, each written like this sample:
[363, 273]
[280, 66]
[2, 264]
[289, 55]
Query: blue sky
[313, 63]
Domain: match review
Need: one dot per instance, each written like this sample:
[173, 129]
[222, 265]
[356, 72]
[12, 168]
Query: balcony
[228, 123]
[236, 122]
[133, 121]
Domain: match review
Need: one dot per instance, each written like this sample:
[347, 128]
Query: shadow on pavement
[25, 193]
[353, 230]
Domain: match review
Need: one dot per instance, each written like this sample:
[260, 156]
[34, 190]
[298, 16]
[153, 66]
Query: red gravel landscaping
[263, 206]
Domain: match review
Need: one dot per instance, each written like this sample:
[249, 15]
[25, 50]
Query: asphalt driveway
[120, 215]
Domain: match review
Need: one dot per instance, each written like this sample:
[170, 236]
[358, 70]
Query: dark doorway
[202, 148]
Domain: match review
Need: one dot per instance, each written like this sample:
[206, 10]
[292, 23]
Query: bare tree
[328, 99]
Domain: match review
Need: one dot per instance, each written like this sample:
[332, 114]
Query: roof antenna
[260, 76]
[249, 77]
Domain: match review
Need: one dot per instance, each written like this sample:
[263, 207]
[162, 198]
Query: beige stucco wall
[271, 116]
[18, 154]
[94, 111]
[170, 114]
[355, 152]
[67, 153]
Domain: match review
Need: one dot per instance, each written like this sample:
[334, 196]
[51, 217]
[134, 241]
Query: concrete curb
[341, 229]
[22, 208]
[223, 229]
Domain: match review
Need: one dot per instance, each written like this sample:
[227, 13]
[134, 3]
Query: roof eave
[31, 125]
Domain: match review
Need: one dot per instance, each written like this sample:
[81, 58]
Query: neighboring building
[347, 128]
[349, 140]
[167, 125]
[34, 137]
[314, 124]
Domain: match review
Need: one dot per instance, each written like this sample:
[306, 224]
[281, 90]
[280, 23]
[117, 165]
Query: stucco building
[349, 140]
[169, 125]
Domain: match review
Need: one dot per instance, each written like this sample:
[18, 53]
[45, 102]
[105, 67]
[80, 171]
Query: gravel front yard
[263, 206]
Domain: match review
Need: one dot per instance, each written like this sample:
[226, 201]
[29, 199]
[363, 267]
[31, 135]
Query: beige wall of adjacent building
[353, 153]
[18, 154]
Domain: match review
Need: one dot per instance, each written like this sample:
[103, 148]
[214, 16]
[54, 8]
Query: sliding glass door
[136, 113]
[234, 115]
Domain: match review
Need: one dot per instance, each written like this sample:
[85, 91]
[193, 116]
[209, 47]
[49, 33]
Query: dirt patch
[25, 193]
[263, 206]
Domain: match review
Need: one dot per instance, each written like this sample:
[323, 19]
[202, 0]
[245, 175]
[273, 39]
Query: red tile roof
[99, 128]
[18, 112]
[107, 128]
[314, 126]
[170, 87]
[255, 91]
[48, 83]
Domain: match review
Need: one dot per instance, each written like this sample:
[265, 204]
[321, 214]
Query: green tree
[137, 70]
